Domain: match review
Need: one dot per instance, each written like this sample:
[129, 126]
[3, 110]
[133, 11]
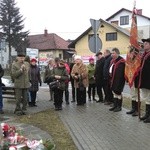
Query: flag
[133, 31]
[132, 66]
[133, 59]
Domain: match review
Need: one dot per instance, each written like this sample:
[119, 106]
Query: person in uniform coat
[117, 69]
[132, 67]
[20, 74]
[144, 80]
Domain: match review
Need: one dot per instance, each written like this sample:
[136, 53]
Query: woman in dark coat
[35, 80]
[60, 74]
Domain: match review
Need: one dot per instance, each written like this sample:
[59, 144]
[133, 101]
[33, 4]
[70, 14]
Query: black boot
[133, 108]
[119, 106]
[147, 112]
[67, 97]
[136, 109]
[93, 94]
[115, 104]
[147, 120]
[73, 100]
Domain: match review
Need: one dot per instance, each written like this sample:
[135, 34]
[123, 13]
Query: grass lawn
[50, 122]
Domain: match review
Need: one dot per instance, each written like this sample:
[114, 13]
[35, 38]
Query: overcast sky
[70, 18]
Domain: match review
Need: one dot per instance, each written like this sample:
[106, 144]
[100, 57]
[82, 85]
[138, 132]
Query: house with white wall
[123, 18]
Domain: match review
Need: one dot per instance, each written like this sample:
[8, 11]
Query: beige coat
[81, 70]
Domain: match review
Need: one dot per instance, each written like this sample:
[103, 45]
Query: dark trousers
[1, 98]
[91, 89]
[73, 90]
[66, 92]
[58, 97]
[51, 94]
[107, 91]
[81, 96]
[99, 92]
[33, 97]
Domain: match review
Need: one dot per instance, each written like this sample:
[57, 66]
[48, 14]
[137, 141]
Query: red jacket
[68, 70]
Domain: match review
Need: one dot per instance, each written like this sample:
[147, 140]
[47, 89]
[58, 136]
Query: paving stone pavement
[93, 126]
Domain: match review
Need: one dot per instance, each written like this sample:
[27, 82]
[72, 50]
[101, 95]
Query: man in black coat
[99, 80]
[144, 79]
[117, 69]
[107, 91]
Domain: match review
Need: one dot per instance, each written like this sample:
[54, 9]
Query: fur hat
[77, 57]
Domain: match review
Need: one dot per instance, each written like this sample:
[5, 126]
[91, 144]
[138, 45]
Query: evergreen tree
[11, 25]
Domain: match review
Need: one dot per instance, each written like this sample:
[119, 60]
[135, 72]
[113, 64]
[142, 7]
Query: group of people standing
[109, 76]
[106, 78]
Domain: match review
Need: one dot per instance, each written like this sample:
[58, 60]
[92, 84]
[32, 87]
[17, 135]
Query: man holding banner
[139, 66]
[131, 71]
[132, 65]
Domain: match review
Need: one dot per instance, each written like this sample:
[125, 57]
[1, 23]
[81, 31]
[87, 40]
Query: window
[111, 36]
[60, 56]
[124, 20]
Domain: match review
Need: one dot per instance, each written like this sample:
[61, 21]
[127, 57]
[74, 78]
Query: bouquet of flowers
[11, 140]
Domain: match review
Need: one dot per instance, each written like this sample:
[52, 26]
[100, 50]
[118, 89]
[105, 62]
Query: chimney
[139, 11]
[45, 32]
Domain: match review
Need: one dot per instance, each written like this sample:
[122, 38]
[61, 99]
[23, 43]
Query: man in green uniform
[20, 74]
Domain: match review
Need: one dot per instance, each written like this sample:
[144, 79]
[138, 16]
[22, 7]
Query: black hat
[146, 40]
[98, 53]
[21, 54]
